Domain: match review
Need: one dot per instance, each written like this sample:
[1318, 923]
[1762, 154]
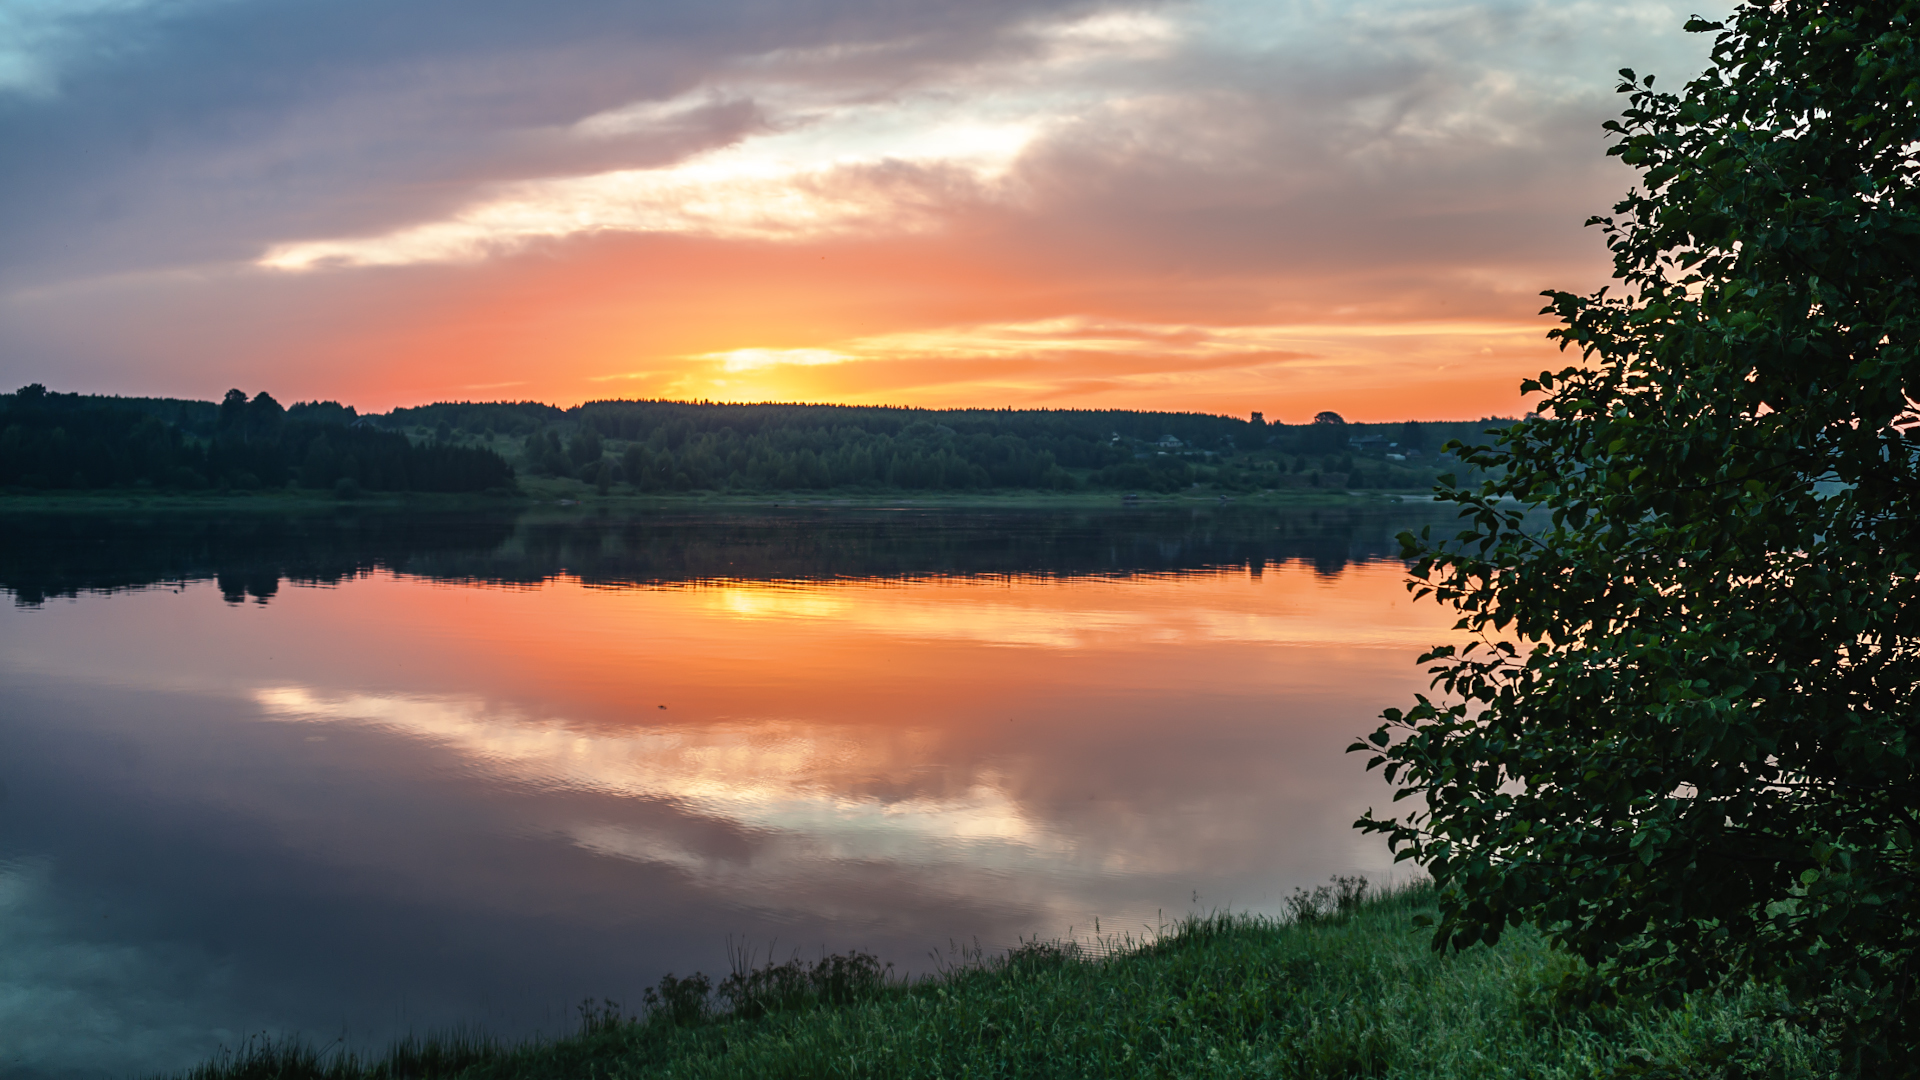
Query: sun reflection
[972, 611]
[1031, 748]
[873, 722]
[760, 600]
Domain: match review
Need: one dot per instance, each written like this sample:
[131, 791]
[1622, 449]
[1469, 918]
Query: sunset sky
[1219, 205]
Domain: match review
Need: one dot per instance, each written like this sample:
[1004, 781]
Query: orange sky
[1222, 205]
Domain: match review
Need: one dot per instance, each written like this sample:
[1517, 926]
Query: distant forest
[74, 441]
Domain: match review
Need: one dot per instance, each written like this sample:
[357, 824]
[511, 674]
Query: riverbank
[1345, 994]
[563, 493]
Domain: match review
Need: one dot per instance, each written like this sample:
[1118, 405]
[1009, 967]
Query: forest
[663, 446]
[73, 441]
[84, 442]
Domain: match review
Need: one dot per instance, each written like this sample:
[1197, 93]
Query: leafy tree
[1687, 740]
[233, 409]
[1327, 434]
[263, 412]
[76, 441]
[586, 448]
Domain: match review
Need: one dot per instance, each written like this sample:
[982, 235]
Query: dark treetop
[1686, 740]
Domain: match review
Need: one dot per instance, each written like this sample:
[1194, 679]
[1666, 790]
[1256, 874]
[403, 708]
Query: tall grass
[1346, 988]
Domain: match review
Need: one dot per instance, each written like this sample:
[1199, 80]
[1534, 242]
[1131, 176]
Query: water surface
[353, 775]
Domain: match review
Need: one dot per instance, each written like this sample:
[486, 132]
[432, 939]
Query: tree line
[72, 441]
[83, 442]
[658, 446]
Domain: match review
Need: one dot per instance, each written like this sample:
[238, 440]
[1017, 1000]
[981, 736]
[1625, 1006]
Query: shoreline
[558, 496]
[1340, 989]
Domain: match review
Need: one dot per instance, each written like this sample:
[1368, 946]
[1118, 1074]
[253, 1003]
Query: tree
[1327, 434]
[264, 413]
[1686, 740]
[233, 409]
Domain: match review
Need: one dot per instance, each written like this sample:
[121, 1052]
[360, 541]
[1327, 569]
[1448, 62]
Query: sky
[1213, 205]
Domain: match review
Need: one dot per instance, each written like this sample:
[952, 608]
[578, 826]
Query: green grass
[1345, 994]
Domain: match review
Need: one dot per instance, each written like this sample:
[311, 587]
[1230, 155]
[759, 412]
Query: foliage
[679, 446]
[666, 446]
[502, 417]
[680, 1002]
[76, 442]
[1346, 995]
[1684, 743]
[1342, 896]
[753, 991]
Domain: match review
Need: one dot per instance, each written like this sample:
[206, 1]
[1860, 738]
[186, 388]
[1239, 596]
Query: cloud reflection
[764, 777]
[415, 787]
[70, 999]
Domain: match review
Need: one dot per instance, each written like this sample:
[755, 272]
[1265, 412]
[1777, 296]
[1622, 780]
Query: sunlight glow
[756, 359]
[1036, 361]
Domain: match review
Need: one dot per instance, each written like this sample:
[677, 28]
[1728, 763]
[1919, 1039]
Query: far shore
[577, 496]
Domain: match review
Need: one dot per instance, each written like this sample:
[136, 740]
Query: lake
[356, 774]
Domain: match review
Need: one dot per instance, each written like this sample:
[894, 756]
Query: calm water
[360, 774]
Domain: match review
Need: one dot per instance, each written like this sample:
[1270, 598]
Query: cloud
[727, 195]
[235, 126]
[1121, 113]
[621, 193]
[73, 999]
[825, 161]
[39, 38]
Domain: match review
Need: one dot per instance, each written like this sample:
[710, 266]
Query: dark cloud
[217, 132]
[1217, 162]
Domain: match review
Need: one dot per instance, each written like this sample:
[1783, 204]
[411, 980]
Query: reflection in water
[414, 798]
[44, 555]
[767, 777]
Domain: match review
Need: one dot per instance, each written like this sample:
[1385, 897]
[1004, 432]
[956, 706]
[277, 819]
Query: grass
[1347, 988]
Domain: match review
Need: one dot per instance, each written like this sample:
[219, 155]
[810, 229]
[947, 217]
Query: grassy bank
[1344, 994]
